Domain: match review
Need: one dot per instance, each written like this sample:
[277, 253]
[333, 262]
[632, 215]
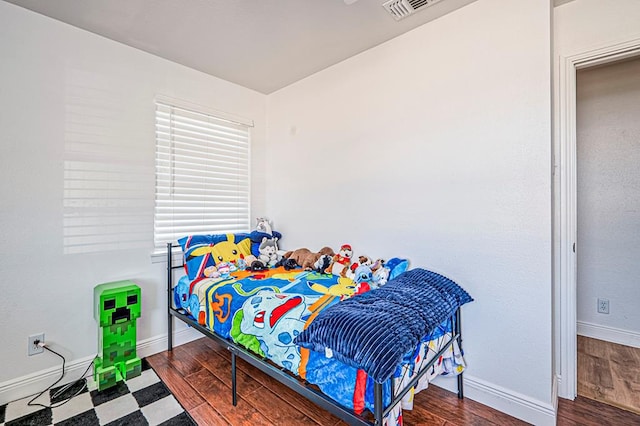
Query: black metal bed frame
[295, 384]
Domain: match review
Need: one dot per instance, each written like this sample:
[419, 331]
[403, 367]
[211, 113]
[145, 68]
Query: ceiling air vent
[400, 9]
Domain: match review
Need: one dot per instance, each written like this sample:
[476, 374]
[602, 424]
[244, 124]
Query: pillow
[374, 330]
[203, 251]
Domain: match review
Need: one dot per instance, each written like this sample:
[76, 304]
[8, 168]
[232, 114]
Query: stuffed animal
[380, 277]
[343, 289]
[242, 263]
[362, 260]
[363, 274]
[256, 266]
[380, 273]
[269, 252]
[245, 261]
[263, 225]
[211, 272]
[287, 264]
[396, 266]
[379, 263]
[322, 263]
[224, 269]
[341, 261]
[306, 258]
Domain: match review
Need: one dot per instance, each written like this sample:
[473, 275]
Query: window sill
[161, 257]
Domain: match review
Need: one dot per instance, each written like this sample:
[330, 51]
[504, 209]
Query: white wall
[52, 76]
[608, 141]
[589, 24]
[436, 146]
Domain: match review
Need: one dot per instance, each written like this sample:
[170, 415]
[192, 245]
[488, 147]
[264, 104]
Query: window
[202, 174]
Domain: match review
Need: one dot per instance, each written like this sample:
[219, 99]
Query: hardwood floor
[609, 373]
[198, 375]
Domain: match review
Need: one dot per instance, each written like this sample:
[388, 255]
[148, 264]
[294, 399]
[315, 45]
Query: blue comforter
[374, 330]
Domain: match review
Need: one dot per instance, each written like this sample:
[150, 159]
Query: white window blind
[202, 174]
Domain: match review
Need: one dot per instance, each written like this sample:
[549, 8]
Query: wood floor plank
[254, 372]
[298, 402]
[182, 360]
[294, 399]
[594, 376]
[625, 356]
[447, 411]
[614, 379]
[593, 347]
[212, 345]
[250, 379]
[183, 391]
[626, 390]
[276, 409]
[199, 348]
[220, 365]
[211, 389]
[587, 412]
[221, 368]
[446, 405]
[420, 415]
[205, 415]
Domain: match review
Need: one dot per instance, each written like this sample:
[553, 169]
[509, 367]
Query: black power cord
[31, 403]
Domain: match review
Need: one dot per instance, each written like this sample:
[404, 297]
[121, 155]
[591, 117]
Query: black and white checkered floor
[143, 400]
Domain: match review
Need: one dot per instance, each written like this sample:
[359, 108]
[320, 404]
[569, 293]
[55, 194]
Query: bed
[361, 356]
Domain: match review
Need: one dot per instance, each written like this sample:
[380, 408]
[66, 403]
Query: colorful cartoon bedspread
[265, 311]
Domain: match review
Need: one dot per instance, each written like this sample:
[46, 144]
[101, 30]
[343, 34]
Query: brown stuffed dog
[306, 258]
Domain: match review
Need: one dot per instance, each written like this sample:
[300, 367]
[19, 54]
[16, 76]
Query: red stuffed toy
[340, 262]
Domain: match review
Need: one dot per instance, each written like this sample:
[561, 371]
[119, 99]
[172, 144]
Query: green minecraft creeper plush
[116, 308]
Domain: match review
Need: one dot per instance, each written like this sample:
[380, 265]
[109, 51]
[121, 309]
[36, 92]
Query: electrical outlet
[32, 346]
[603, 306]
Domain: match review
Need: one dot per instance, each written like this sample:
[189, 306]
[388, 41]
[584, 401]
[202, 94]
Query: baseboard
[609, 334]
[157, 344]
[517, 405]
[35, 383]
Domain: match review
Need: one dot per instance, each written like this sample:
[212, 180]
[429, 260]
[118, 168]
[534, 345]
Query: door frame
[565, 200]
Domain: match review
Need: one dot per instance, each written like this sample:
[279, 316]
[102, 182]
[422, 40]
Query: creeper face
[116, 308]
[119, 305]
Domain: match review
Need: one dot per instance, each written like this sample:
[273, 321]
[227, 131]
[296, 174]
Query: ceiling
[260, 44]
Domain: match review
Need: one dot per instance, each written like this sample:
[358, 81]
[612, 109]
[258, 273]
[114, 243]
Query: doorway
[608, 232]
[565, 207]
